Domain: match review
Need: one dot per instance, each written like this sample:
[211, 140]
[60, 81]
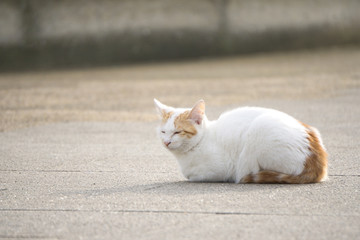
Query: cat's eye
[162, 131]
[177, 132]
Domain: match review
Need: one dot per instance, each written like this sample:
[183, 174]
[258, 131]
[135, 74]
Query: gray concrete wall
[59, 33]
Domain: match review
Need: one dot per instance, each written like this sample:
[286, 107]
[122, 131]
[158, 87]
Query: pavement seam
[78, 171]
[173, 212]
[27, 237]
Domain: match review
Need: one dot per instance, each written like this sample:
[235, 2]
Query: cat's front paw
[194, 178]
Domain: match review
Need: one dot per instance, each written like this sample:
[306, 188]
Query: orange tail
[276, 177]
[315, 168]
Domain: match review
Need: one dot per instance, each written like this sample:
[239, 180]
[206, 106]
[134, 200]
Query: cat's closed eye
[177, 132]
[162, 131]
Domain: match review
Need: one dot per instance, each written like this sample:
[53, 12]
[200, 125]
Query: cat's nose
[167, 143]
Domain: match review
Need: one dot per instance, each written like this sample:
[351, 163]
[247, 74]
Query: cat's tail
[315, 166]
[276, 177]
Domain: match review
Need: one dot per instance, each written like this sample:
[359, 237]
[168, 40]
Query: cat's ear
[197, 112]
[162, 108]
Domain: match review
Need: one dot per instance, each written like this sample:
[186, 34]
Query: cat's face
[180, 129]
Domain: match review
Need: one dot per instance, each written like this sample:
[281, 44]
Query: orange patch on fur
[184, 125]
[248, 179]
[166, 115]
[315, 167]
[316, 164]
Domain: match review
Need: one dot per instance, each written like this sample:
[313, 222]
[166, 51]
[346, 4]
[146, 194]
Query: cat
[245, 145]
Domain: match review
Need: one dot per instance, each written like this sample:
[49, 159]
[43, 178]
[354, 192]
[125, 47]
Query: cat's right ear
[197, 112]
[162, 108]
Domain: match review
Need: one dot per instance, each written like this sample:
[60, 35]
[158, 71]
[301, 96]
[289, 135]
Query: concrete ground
[80, 158]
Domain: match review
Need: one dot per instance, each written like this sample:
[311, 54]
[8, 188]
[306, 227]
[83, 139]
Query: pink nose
[167, 143]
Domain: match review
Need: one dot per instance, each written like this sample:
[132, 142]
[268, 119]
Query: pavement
[79, 156]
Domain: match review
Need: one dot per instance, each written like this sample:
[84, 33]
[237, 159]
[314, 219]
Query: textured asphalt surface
[66, 173]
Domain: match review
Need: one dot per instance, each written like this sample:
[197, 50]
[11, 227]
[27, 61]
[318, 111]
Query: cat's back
[238, 121]
[244, 115]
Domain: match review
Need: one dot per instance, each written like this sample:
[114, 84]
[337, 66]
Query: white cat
[249, 144]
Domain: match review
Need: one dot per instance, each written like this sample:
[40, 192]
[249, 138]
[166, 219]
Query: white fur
[242, 141]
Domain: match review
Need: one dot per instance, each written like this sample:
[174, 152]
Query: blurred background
[48, 34]
[89, 60]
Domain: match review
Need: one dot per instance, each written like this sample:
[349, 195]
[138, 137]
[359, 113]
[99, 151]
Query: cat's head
[181, 128]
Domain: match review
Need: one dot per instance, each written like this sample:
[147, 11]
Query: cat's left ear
[197, 112]
[162, 108]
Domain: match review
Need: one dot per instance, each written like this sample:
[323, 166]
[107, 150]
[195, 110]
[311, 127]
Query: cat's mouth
[167, 143]
[171, 145]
